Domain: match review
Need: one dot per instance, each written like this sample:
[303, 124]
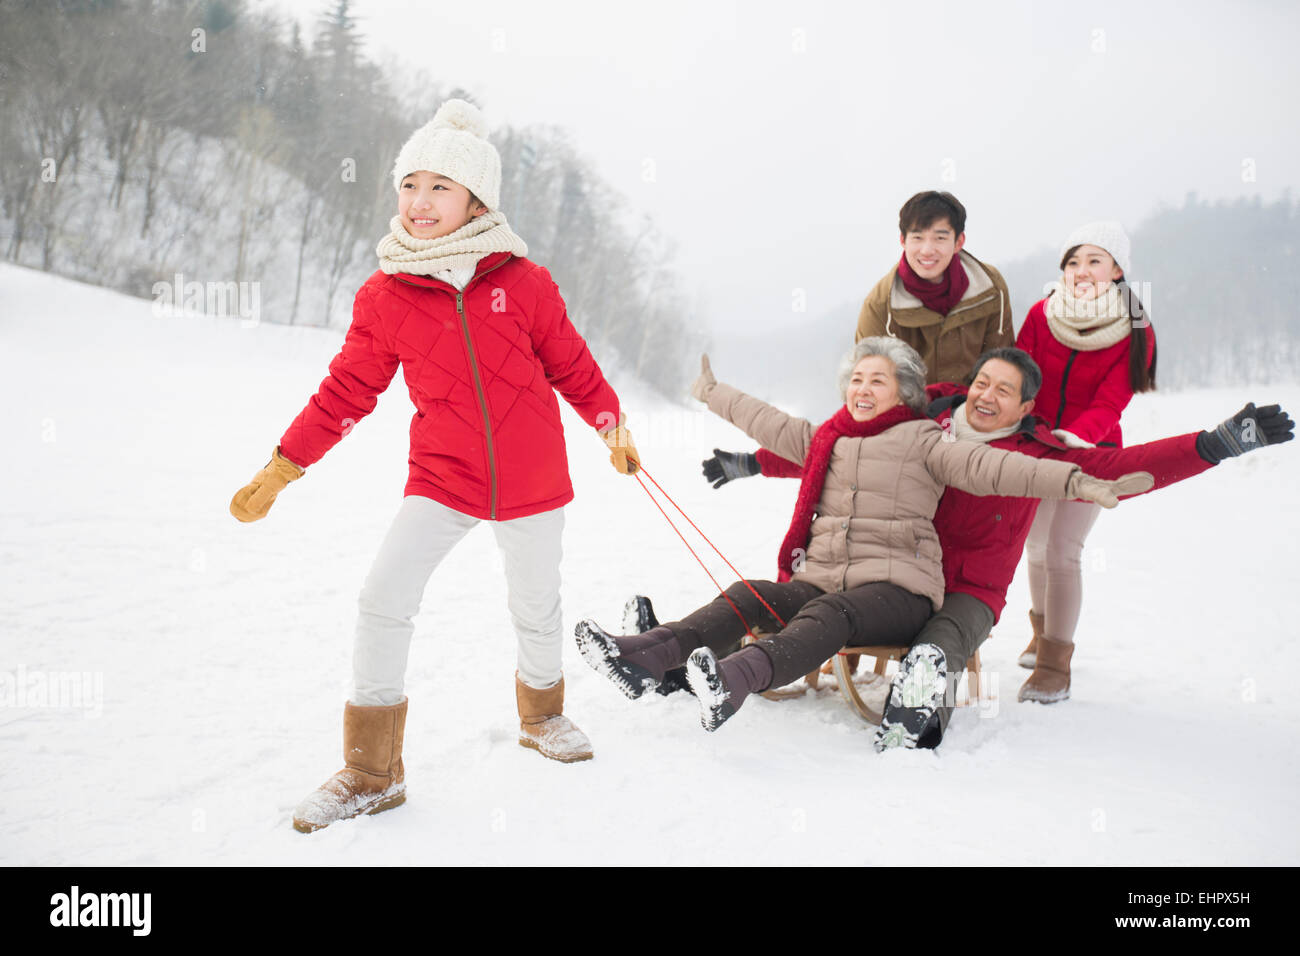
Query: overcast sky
[783, 136]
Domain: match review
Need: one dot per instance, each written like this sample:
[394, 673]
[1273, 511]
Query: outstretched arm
[1171, 460]
[786, 435]
[1168, 460]
[357, 376]
[983, 470]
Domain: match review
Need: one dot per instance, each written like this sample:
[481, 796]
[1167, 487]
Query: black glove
[726, 465]
[1249, 429]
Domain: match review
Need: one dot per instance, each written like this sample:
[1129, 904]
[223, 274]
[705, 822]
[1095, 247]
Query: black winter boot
[636, 663]
[722, 686]
[639, 617]
[911, 716]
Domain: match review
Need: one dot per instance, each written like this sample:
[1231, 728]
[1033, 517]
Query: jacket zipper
[478, 385]
[482, 404]
[1060, 412]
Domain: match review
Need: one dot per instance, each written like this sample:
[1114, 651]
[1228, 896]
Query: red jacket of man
[983, 536]
[481, 366]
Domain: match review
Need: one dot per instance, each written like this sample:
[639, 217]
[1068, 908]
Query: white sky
[779, 167]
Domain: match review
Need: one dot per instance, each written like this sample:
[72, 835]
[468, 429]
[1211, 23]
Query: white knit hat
[1108, 235]
[454, 144]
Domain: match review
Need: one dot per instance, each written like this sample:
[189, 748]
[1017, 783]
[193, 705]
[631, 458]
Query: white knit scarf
[963, 430]
[483, 235]
[1088, 324]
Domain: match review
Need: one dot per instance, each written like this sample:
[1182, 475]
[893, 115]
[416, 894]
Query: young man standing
[942, 301]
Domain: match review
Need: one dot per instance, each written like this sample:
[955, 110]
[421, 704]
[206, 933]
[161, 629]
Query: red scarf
[941, 296]
[839, 425]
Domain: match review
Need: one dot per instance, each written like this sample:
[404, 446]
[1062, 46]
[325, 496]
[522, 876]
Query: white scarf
[483, 235]
[963, 430]
[1087, 324]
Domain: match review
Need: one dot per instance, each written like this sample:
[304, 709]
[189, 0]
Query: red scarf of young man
[840, 425]
[938, 296]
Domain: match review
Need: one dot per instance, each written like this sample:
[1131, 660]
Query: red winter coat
[982, 537]
[1083, 392]
[481, 367]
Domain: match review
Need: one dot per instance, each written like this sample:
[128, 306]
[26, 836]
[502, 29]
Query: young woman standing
[1096, 347]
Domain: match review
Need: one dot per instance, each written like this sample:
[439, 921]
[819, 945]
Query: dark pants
[958, 630]
[818, 623]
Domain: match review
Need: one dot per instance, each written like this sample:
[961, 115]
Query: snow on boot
[602, 652]
[1050, 681]
[543, 726]
[372, 779]
[705, 678]
[638, 615]
[911, 719]
[1028, 655]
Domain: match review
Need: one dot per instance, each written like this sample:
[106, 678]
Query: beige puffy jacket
[873, 521]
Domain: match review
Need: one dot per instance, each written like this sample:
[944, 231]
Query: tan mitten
[704, 382]
[623, 454]
[254, 500]
[1107, 493]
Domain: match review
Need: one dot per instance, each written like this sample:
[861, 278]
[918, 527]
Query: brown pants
[818, 623]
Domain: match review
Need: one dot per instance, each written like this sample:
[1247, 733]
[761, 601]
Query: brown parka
[948, 344]
[873, 520]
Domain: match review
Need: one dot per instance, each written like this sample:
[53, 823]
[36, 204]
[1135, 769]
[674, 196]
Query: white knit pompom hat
[454, 144]
[1107, 234]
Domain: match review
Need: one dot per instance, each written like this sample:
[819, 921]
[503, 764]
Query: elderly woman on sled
[860, 564]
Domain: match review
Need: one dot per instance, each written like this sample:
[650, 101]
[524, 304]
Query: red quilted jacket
[481, 367]
[1083, 392]
[982, 537]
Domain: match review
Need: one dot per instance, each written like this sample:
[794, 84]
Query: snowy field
[194, 669]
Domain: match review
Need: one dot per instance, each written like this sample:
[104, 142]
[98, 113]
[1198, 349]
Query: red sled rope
[740, 577]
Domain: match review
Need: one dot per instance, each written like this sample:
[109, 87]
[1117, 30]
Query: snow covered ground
[193, 668]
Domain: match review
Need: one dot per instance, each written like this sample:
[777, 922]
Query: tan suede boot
[372, 779]
[1028, 654]
[543, 726]
[1050, 680]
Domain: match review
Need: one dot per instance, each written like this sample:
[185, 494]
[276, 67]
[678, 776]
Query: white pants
[422, 534]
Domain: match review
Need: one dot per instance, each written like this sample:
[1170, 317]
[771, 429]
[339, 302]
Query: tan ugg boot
[1050, 680]
[372, 779]
[1028, 654]
[543, 726]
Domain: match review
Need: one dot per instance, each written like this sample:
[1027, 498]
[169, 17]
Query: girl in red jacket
[483, 340]
[1096, 347]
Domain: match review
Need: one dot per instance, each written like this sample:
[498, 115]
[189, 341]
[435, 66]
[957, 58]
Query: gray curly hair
[908, 368]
